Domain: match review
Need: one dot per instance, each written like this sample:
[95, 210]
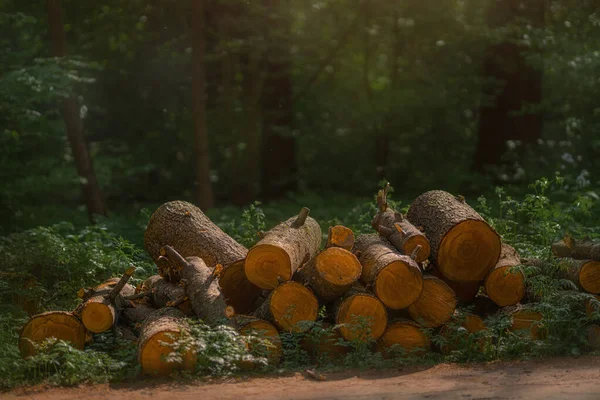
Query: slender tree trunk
[279, 169]
[520, 85]
[73, 123]
[204, 190]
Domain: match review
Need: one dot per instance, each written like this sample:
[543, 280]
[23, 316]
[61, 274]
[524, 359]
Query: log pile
[414, 273]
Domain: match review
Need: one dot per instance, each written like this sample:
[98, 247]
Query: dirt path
[556, 378]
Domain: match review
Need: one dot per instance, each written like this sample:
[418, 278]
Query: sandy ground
[554, 378]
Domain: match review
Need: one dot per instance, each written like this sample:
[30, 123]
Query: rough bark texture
[436, 305]
[283, 250]
[505, 283]
[330, 274]
[584, 273]
[340, 236]
[395, 278]
[134, 317]
[256, 328]
[289, 306]
[239, 292]
[465, 291]
[579, 250]
[360, 313]
[185, 227]
[61, 325]
[161, 328]
[463, 245]
[407, 336]
[164, 294]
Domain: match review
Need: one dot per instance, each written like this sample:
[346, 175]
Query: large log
[466, 291]
[262, 337]
[505, 283]
[584, 273]
[283, 250]
[289, 306]
[359, 314]
[238, 291]
[134, 317]
[330, 274]
[201, 287]
[395, 278]
[463, 245]
[436, 304]
[156, 351]
[398, 230]
[61, 325]
[578, 249]
[165, 294]
[405, 335]
[100, 311]
[185, 227]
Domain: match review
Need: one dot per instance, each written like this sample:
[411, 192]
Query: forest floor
[548, 379]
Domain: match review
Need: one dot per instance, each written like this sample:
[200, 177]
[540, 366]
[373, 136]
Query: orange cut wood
[466, 291]
[290, 306]
[360, 315]
[262, 337]
[407, 335]
[526, 321]
[340, 236]
[584, 273]
[238, 291]
[61, 325]
[436, 305]
[459, 329]
[505, 283]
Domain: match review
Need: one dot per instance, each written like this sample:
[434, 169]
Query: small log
[361, 315]
[436, 305]
[283, 250]
[324, 343]
[505, 283]
[340, 236]
[459, 329]
[201, 287]
[406, 334]
[395, 278]
[165, 294]
[593, 336]
[463, 245]
[100, 312]
[592, 306]
[330, 274]
[577, 249]
[185, 227]
[61, 325]
[584, 273]
[156, 353]
[289, 306]
[525, 320]
[238, 291]
[398, 230]
[268, 346]
[465, 291]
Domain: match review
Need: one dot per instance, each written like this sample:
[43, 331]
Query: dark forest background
[107, 107]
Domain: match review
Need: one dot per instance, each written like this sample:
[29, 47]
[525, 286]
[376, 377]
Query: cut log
[465, 291]
[525, 320]
[406, 335]
[463, 245]
[100, 312]
[330, 274]
[323, 343]
[577, 249]
[290, 306]
[201, 287]
[398, 230]
[166, 294]
[458, 331]
[592, 306]
[340, 236]
[61, 325]
[395, 278]
[238, 291]
[505, 283]
[156, 351]
[134, 317]
[269, 343]
[283, 250]
[361, 315]
[584, 273]
[436, 305]
[593, 336]
[185, 227]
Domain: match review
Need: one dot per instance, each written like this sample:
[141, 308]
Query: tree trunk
[73, 123]
[239, 292]
[505, 283]
[395, 278]
[159, 332]
[463, 246]
[59, 324]
[282, 250]
[584, 273]
[134, 317]
[289, 307]
[186, 228]
[166, 294]
[435, 306]
[521, 85]
[204, 190]
[254, 328]
[407, 335]
[579, 250]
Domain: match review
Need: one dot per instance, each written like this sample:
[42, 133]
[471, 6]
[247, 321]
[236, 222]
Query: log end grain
[468, 251]
[267, 265]
[435, 306]
[269, 345]
[292, 303]
[338, 267]
[398, 284]
[154, 354]
[361, 314]
[340, 236]
[589, 277]
[238, 291]
[505, 285]
[417, 240]
[98, 315]
[58, 324]
[466, 291]
[528, 322]
[407, 335]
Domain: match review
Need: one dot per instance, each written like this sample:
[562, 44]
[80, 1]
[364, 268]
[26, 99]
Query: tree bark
[165, 294]
[577, 249]
[204, 190]
[73, 123]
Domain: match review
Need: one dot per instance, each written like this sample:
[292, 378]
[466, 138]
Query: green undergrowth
[43, 267]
